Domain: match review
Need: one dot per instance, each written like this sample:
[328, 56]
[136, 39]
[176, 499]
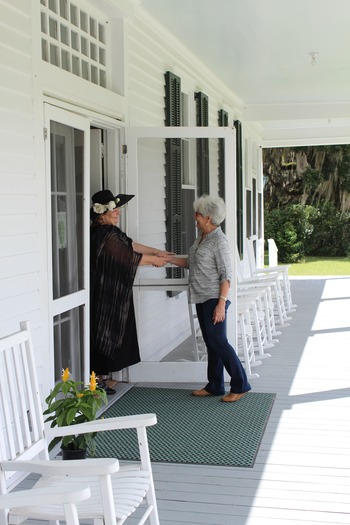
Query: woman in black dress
[114, 260]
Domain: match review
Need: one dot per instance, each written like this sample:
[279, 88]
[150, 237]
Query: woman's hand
[220, 309]
[163, 254]
[180, 261]
[159, 261]
[219, 312]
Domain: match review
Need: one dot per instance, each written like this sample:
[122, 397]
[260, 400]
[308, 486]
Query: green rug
[190, 430]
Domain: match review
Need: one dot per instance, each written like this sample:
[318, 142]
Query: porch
[301, 473]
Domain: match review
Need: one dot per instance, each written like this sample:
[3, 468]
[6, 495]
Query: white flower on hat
[99, 208]
[102, 208]
[111, 205]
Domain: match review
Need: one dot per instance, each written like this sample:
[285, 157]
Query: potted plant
[70, 403]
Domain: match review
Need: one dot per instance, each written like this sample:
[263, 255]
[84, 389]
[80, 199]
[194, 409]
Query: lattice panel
[74, 40]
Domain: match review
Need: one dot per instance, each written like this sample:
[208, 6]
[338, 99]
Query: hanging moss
[308, 175]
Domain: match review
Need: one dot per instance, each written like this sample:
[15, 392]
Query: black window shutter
[223, 122]
[173, 169]
[202, 119]
[239, 184]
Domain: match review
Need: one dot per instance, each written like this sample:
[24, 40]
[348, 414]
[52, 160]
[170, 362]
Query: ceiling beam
[305, 136]
[261, 112]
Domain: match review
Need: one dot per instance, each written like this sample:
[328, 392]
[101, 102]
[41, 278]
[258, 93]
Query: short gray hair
[213, 207]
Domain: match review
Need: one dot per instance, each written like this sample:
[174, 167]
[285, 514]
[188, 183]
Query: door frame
[147, 371]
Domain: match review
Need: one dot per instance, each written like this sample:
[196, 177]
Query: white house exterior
[77, 79]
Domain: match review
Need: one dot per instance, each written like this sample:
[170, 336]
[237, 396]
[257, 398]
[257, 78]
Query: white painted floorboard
[302, 470]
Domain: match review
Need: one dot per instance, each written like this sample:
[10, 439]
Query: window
[260, 217]
[73, 40]
[181, 184]
[249, 213]
[254, 206]
[187, 167]
[188, 186]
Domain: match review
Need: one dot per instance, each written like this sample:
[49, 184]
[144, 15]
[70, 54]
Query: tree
[309, 175]
[307, 200]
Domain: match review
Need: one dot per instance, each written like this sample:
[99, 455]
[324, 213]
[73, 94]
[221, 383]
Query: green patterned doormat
[190, 429]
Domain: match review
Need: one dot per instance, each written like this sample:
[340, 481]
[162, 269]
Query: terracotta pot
[73, 454]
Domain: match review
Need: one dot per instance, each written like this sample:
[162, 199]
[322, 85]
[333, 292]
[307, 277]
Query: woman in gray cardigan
[210, 274]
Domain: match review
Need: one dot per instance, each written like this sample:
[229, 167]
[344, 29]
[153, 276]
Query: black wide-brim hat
[106, 196]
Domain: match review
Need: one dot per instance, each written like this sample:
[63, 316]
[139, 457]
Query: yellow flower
[65, 375]
[71, 402]
[93, 382]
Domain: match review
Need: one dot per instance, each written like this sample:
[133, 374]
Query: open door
[145, 159]
[67, 157]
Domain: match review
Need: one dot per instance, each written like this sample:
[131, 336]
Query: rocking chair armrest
[267, 272]
[279, 268]
[263, 279]
[66, 494]
[100, 425]
[97, 467]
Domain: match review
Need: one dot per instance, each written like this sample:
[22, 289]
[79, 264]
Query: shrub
[290, 227]
[331, 233]
[300, 230]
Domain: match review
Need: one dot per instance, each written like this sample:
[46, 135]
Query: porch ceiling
[261, 50]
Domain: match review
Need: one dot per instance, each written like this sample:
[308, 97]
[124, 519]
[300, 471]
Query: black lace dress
[113, 335]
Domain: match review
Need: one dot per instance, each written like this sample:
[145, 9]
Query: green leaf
[53, 443]
[71, 414]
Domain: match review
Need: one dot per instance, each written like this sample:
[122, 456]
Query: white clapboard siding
[18, 285]
[12, 266]
[17, 81]
[22, 244]
[19, 62]
[17, 162]
[18, 102]
[19, 260]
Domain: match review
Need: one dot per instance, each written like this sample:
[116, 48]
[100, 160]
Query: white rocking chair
[281, 271]
[67, 497]
[116, 492]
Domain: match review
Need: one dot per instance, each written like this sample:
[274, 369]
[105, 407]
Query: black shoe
[109, 391]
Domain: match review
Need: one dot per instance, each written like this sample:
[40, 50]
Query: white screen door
[67, 168]
[145, 156]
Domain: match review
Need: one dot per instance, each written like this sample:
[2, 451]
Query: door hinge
[102, 150]
[124, 149]
[45, 133]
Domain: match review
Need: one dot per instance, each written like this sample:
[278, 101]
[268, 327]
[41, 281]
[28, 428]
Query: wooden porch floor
[302, 470]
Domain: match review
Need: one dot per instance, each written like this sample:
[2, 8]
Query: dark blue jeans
[220, 353]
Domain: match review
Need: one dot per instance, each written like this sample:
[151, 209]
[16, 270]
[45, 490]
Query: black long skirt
[128, 354]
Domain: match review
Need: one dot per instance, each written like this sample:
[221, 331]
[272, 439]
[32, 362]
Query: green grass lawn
[321, 266]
